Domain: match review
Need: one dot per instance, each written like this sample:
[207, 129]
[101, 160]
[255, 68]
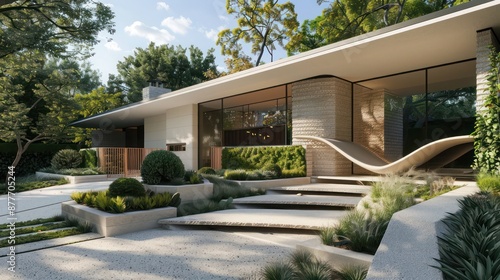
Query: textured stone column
[322, 107]
[485, 39]
[378, 124]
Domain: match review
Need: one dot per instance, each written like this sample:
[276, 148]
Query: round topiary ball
[126, 187]
[65, 159]
[161, 167]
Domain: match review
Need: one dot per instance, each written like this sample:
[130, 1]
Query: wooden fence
[122, 162]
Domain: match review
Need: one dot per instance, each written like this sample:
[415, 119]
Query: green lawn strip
[41, 236]
[34, 229]
[34, 222]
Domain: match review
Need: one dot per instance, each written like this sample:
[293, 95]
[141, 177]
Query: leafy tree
[51, 26]
[487, 126]
[344, 19]
[164, 63]
[261, 23]
[34, 95]
[35, 105]
[95, 102]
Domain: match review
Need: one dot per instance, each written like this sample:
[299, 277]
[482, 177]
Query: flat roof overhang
[439, 38]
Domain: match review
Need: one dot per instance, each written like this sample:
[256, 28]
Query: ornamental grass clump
[302, 265]
[161, 167]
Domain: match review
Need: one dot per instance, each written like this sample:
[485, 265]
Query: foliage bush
[89, 158]
[239, 175]
[489, 182]
[487, 126]
[160, 167]
[126, 187]
[66, 159]
[256, 158]
[470, 248]
[206, 170]
[192, 177]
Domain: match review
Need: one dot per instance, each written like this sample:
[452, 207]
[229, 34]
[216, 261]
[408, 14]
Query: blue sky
[174, 22]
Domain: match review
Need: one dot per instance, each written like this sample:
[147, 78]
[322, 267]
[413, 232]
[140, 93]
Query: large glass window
[254, 119]
[438, 102]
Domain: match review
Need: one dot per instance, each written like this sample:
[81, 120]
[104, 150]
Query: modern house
[391, 90]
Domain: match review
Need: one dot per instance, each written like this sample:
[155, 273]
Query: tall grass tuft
[352, 273]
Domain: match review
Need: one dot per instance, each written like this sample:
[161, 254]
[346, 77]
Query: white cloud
[177, 25]
[112, 46]
[162, 6]
[212, 33]
[153, 34]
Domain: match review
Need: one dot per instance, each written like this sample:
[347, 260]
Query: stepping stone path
[305, 207]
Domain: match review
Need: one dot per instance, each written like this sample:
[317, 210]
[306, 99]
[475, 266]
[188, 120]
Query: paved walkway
[152, 254]
[43, 203]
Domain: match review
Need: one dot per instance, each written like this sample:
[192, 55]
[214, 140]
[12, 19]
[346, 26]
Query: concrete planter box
[75, 179]
[267, 184]
[108, 224]
[339, 257]
[188, 193]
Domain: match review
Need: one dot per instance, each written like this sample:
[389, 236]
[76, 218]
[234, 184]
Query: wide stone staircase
[301, 207]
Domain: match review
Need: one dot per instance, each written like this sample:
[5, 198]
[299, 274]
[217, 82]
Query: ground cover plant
[74, 171]
[32, 182]
[489, 182]
[470, 248]
[302, 265]
[42, 229]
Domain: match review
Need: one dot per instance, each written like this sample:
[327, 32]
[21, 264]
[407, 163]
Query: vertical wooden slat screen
[216, 157]
[122, 162]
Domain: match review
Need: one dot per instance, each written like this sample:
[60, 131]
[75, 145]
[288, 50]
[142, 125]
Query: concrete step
[351, 180]
[261, 218]
[325, 189]
[291, 200]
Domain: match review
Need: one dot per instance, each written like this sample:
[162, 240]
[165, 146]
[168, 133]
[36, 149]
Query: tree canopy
[168, 64]
[344, 19]
[264, 24]
[56, 28]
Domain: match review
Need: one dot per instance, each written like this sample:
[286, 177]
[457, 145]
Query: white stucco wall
[155, 131]
[182, 127]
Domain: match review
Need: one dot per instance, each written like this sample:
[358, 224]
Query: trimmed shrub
[489, 183]
[160, 167]
[239, 174]
[206, 170]
[89, 158]
[66, 159]
[126, 187]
